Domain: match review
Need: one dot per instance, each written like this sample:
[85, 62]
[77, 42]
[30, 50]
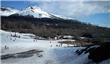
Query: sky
[95, 12]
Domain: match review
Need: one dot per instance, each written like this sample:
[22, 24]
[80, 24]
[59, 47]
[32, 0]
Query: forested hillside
[49, 27]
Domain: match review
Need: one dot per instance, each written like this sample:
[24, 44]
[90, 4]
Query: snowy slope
[51, 53]
[16, 44]
[7, 11]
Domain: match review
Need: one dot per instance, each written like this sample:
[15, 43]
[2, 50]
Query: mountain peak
[35, 11]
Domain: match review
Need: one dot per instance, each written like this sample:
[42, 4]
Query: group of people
[57, 45]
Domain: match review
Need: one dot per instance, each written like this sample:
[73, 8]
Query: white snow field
[53, 52]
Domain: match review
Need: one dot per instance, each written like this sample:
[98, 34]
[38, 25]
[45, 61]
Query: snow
[16, 44]
[8, 12]
[68, 36]
[34, 11]
[53, 52]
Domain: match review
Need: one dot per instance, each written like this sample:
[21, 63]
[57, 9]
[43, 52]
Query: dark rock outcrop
[100, 53]
[97, 53]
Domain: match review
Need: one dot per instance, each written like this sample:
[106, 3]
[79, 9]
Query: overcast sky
[94, 12]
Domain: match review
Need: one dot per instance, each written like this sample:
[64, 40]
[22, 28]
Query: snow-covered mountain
[7, 11]
[34, 11]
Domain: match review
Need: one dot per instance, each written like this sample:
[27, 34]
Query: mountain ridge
[34, 11]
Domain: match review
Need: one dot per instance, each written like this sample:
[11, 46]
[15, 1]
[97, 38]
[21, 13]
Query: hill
[50, 27]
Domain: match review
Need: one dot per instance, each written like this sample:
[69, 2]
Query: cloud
[75, 8]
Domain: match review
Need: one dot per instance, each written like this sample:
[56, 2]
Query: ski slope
[53, 52]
